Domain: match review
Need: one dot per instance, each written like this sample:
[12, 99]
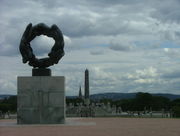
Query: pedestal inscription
[41, 100]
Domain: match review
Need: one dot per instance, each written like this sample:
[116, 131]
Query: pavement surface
[96, 127]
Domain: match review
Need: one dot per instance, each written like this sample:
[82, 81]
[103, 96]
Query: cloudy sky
[127, 45]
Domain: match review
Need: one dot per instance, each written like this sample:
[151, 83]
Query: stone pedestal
[41, 100]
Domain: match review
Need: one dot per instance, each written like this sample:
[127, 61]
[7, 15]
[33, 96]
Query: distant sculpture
[80, 93]
[56, 53]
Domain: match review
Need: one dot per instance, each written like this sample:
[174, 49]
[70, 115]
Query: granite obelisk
[86, 87]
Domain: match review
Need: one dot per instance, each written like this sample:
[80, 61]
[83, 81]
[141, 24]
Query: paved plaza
[96, 127]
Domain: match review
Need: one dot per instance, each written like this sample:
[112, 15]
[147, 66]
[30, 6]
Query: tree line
[142, 101]
[148, 102]
[8, 104]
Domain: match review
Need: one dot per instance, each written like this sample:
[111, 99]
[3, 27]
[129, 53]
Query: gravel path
[96, 127]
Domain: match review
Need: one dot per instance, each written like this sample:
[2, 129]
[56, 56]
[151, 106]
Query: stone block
[41, 100]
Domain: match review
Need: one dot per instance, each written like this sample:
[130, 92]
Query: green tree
[175, 102]
[105, 101]
[143, 100]
[9, 104]
[75, 101]
[160, 102]
[176, 111]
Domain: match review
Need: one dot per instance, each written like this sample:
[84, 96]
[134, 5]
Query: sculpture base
[41, 100]
[41, 72]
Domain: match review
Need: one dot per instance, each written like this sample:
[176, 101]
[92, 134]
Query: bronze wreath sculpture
[56, 53]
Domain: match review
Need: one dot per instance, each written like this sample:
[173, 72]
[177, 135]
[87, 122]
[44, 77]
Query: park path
[96, 127]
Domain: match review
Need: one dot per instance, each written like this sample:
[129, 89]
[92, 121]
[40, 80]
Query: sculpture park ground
[96, 127]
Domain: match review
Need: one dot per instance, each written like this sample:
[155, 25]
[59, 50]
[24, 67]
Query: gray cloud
[167, 11]
[114, 39]
[172, 74]
[83, 19]
[97, 52]
[120, 47]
